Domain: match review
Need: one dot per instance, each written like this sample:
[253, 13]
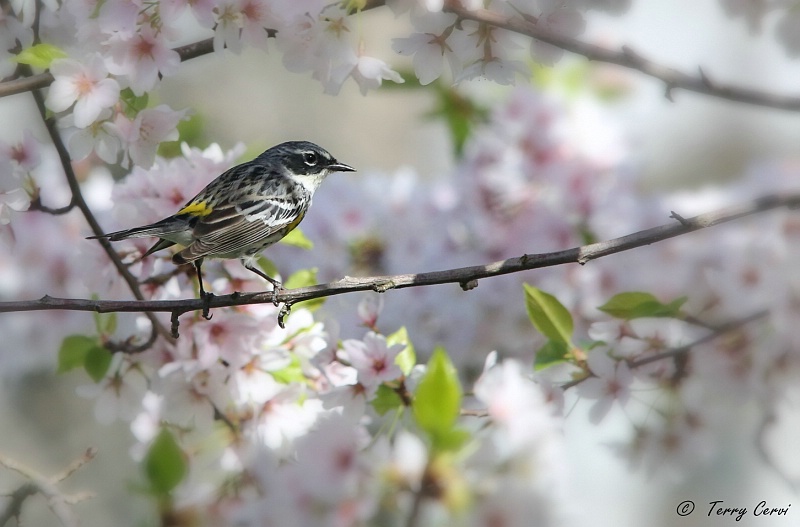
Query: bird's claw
[277, 289]
[207, 305]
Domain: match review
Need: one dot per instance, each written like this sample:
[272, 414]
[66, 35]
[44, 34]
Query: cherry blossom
[117, 396]
[374, 360]
[561, 20]
[84, 84]
[429, 46]
[369, 308]
[98, 137]
[610, 383]
[515, 403]
[12, 200]
[12, 31]
[24, 156]
[141, 136]
[142, 57]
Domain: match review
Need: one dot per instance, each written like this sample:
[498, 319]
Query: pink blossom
[118, 396]
[429, 46]
[369, 308]
[142, 135]
[256, 18]
[12, 30]
[373, 359]
[566, 21]
[332, 452]
[142, 56]
[24, 156]
[97, 138]
[611, 383]
[84, 84]
[369, 73]
[12, 200]
[515, 403]
[228, 25]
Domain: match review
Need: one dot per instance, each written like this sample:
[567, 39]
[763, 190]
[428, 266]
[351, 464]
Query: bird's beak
[340, 167]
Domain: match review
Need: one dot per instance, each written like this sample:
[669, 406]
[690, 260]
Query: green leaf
[407, 358]
[452, 439]
[105, 323]
[98, 360]
[291, 373]
[552, 353]
[386, 399]
[165, 463]
[460, 114]
[73, 351]
[636, 304]
[305, 278]
[296, 238]
[40, 55]
[437, 402]
[133, 104]
[410, 80]
[302, 278]
[109, 324]
[352, 6]
[548, 315]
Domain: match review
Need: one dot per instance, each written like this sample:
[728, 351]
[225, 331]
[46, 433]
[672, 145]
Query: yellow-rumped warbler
[244, 210]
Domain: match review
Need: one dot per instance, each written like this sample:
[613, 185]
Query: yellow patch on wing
[295, 223]
[198, 208]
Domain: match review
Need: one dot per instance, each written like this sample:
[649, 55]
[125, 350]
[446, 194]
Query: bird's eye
[310, 158]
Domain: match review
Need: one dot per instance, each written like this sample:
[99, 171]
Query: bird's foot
[206, 297]
[277, 289]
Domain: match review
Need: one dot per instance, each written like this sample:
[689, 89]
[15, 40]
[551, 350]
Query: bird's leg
[206, 297]
[277, 287]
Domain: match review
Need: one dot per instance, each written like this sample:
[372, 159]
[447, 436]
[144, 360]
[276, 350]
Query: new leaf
[437, 403]
[548, 315]
[634, 304]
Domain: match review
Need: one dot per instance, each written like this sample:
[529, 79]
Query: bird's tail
[159, 229]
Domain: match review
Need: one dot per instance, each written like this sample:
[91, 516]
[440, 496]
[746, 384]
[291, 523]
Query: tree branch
[630, 59]
[464, 276]
[79, 202]
[625, 57]
[47, 487]
[681, 350]
[667, 354]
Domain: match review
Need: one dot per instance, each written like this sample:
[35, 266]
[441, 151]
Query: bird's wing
[234, 226]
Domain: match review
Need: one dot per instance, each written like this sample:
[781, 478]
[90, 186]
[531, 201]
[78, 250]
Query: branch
[625, 57]
[633, 364]
[628, 58]
[47, 487]
[681, 350]
[79, 202]
[466, 277]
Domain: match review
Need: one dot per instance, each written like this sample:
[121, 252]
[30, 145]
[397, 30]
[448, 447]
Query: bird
[243, 211]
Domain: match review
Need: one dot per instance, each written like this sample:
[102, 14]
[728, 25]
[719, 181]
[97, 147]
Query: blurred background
[251, 98]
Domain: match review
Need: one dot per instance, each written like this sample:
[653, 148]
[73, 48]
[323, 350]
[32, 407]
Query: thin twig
[625, 57]
[460, 275]
[36, 204]
[79, 202]
[628, 58]
[38, 483]
[681, 350]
